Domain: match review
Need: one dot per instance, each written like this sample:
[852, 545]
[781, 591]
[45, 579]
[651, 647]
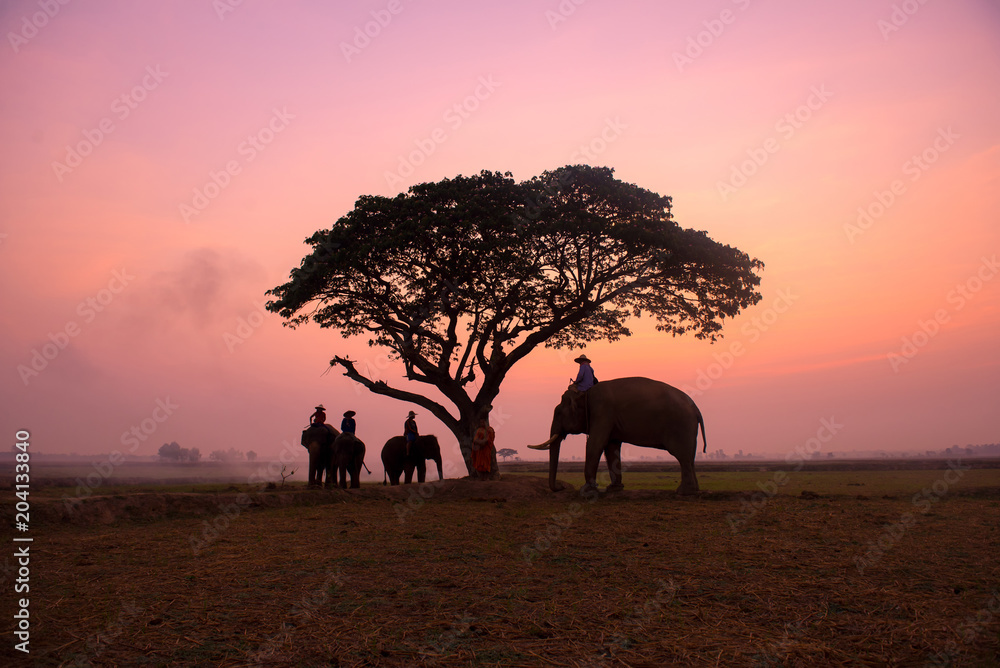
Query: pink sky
[833, 102]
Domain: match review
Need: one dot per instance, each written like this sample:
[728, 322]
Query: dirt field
[506, 573]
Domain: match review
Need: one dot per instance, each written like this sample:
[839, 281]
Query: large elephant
[318, 440]
[348, 458]
[396, 462]
[640, 411]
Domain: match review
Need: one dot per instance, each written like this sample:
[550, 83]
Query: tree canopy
[463, 278]
[174, 452]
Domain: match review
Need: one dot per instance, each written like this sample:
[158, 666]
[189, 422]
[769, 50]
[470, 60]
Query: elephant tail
[704, 441]
[369, 472]
[385, 480]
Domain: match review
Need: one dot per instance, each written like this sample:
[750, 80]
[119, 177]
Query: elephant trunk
[556, 442]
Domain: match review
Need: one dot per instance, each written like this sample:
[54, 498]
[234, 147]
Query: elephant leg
[613, 456]
[596, 443]
[408, 473]
[689, 482]
[330, 473]
[421, 471]
[314, 463]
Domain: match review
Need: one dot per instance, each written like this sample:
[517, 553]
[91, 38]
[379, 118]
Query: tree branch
[380, 387]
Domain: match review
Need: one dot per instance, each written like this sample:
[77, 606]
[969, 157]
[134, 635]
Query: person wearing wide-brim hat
[348, 425]
[410, 431]
[585, 378]
[319, 417]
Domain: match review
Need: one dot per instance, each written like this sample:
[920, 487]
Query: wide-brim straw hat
[581, 359]
[411, 414]
[320, 408]
[350, 414]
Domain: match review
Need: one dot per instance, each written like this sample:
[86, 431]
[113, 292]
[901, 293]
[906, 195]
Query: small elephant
[318, 439]
[396, 462]
[348, 458]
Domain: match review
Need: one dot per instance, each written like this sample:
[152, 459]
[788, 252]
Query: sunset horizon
[165, 165]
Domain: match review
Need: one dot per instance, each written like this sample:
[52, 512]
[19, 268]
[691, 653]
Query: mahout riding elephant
[640, 411]
[318, 440]
[348, 458]
[396, 462]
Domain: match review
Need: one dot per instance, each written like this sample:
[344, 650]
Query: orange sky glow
[163, 164]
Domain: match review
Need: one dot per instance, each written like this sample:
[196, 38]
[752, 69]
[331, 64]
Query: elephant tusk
[546, 444]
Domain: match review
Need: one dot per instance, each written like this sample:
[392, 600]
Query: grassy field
[852, 483]
[850, 567]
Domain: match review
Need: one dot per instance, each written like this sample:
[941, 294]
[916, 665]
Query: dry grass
[639, 579]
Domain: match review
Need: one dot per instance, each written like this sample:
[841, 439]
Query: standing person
[410, 431]
[585, 378]
[348, 425]
[318, 417]
[482, 449]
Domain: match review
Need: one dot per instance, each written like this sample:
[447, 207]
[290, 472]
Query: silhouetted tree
[505, 453]
[251, 456]
[175, 453]
[170, 451]
[463, 278]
